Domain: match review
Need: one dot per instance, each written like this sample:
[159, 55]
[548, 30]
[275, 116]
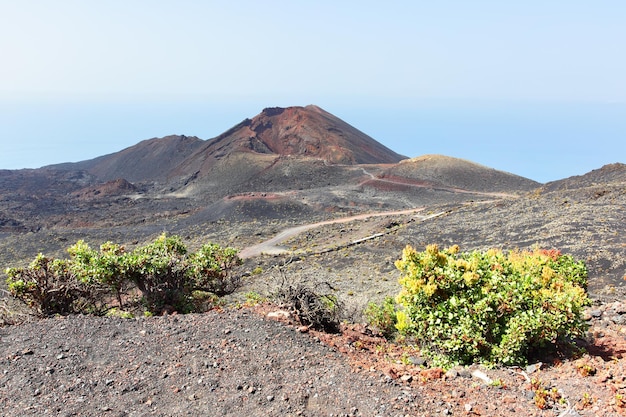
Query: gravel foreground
[238, 362]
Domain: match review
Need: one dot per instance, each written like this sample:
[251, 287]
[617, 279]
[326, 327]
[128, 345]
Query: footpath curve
[271, 246]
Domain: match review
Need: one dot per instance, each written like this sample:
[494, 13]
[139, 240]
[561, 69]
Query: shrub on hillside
[490, 307]
[383, 317]
[49, 287]
[163, 271]
[309, 302]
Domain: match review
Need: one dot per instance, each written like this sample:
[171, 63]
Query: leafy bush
[210, 269]
[159, 271]
[49, 287]
[490, 307]
[105, 267]
[163, 271]
[383, 316]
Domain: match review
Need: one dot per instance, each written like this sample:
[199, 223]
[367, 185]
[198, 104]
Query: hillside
[301, 165]
[445, 171]
[149, 160]
[307, 199]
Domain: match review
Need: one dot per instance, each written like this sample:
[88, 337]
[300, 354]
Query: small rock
[251, 390]
[280, 314]
[570, 412]
[270, 398]
[406, 378]
[60, 356]
[482, 376]
[596, 313]
[458, 394]
[534, 367]
[452, 373]
[417, 361]
[468, 407]
[303, 329]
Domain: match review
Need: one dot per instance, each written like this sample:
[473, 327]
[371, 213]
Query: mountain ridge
[301, 165]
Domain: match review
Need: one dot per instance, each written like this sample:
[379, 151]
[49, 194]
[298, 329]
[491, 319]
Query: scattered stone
[451, 373]
[570, 412]
[534, 367]
[596, 313]
[417, 361]
[270, 398]
[482, 376]
[279, 314]
[468, 407]
[406, 378]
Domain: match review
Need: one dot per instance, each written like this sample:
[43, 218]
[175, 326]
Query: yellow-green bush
[163, 271]
[490, 307]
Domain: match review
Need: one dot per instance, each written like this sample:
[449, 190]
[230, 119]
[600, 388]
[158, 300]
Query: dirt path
[271, 246]
[372, 177]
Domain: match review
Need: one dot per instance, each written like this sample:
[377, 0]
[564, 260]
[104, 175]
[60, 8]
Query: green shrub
[159, 272]
[163, 271]
[104, 268]
[210, 269]
[48, 287]
[383, 316]
[490, 307]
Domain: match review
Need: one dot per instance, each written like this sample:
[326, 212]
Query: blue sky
[536, 88]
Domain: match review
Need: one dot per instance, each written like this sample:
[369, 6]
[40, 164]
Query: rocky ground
[238, 361]
[257, 361]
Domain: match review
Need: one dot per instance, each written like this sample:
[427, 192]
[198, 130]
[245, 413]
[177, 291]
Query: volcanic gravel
[239, 362]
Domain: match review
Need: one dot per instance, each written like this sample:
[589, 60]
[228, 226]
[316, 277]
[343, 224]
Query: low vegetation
[163, 273]
[312, 302]
[490, 307]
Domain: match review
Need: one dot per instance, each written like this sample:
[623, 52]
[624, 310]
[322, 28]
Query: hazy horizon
[536, 89]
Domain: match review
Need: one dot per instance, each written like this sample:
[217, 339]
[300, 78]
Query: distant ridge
[458, 173]
[308, 132]
[610, 173]
[149, 160]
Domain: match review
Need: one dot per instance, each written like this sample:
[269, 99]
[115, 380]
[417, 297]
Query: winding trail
[373, 178]
[270, 246]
